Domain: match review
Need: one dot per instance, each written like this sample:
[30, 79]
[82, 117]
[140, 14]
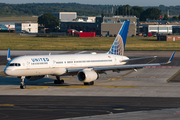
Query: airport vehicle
[87, 67]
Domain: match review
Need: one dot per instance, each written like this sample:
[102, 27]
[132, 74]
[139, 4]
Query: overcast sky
[103, 2]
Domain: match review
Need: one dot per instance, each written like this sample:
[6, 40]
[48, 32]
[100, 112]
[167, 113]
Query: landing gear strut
[22, 86]
[89, 83]
[58, 81]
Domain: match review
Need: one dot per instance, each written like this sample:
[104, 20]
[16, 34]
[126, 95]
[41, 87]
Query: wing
[138, 58]
[100, 69]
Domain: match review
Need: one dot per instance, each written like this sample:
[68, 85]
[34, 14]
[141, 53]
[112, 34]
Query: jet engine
[32, 78]
[87, 75]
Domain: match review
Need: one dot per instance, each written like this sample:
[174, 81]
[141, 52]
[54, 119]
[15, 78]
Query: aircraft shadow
[40, 82]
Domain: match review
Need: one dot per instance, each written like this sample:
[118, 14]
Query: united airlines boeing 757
[87, 67]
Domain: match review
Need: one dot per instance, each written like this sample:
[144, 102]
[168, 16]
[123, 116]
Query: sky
[102, 2]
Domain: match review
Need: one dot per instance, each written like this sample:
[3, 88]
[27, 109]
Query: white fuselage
[58, 64]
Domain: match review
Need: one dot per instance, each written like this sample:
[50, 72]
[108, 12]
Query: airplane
[87, 67]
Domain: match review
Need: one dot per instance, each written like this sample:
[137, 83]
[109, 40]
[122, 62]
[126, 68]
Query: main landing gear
[89, 83]
[58, 81]
[22, 86]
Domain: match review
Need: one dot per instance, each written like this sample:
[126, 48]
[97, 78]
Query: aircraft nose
[7, 71]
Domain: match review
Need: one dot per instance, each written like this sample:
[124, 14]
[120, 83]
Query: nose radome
[7, 71]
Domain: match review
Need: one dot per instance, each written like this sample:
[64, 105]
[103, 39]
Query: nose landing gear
[22, 86]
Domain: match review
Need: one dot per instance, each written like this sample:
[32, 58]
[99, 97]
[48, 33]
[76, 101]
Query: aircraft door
[53, 63]
[27, 64]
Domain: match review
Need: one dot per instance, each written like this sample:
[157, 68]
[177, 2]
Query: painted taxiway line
[169, 80]
[6, 105]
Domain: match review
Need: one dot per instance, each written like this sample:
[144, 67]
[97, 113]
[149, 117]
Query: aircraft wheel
[55, 82]
[62, 82]
[86, 83]
[58, 81]
[22, 86]
[91, 83]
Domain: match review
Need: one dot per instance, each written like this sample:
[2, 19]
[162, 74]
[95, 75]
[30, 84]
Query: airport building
[168, 38]
[161, 27]
[65, 16]
[26, 27]
[111, 25]
[158, 28]
[102, 26]
[176, 29]
[84, 24]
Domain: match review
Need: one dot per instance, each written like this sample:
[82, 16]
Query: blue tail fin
[118, 45]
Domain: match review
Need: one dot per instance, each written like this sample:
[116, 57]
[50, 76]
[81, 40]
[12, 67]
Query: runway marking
[151, 61]
[169, 80]
[118, 109]
[120, 86]
[7, 105]
[74, 87]
[127, 73]
[36, 87]
[65, 78]
[153, 77]
[115, 79]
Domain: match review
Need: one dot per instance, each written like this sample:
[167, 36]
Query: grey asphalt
[144, 94]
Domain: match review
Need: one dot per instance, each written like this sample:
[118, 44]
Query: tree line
[86, 9]
[149, 13]
[42, 8]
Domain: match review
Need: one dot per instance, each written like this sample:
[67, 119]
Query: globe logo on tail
[117, 48]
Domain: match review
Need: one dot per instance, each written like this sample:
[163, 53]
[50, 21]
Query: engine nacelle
[87, 75]
[32, 78]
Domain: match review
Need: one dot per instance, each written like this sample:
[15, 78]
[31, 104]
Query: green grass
[17, 42]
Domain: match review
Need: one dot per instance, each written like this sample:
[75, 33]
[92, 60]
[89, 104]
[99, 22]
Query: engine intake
[87, 75]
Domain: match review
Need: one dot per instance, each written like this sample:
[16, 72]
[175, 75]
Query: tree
[136, 10]
[123, 10]
[166, 17]
[151, 14]
[48, 20]
[175, 18]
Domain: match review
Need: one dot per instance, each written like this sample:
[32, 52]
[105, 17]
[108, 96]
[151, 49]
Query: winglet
[9, 55]
[170, 59]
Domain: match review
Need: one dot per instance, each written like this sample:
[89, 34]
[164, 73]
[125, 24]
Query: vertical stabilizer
[118, 45]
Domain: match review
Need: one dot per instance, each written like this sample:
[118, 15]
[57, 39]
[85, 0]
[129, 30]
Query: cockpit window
[14, 64]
